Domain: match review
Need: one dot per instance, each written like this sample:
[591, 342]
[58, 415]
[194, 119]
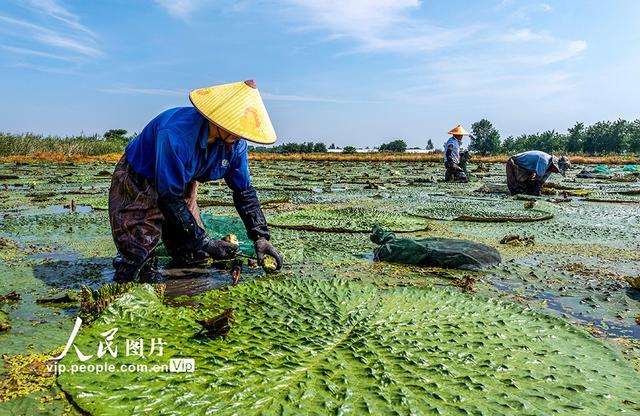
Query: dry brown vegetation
[426, 157]
[52, 157]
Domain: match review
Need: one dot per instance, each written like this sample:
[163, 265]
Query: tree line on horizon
[601, 138]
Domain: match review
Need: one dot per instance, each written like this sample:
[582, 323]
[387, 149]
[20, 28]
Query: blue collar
[203, 133]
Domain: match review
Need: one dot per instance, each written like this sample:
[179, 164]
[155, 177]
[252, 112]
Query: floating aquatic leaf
[46, 247]
[335, 347]
[347, 220]
[94, 301]
[479, 210]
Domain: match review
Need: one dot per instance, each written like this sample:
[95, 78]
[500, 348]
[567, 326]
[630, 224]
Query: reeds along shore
[53, 157]
[429, 157]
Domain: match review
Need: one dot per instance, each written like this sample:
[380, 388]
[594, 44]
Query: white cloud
[496, 58]
[491, 89]
[524, 12]
[59, 41]
[22, 23]
[377, 25]
[524, 35]
[525, 46]
[73, 37]
[42, 68]
[181, 9]
[357, 17]
[32, 52]
[561, 50]
[54, 9]
[510, 65]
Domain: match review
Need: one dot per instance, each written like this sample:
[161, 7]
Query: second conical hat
[458, 131]
[237, 108]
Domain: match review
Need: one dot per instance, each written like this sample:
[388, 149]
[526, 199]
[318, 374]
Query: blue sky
[350, 72]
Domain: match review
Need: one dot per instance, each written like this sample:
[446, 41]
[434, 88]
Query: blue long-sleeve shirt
[534, 161]
[172, 151]
[455, 156]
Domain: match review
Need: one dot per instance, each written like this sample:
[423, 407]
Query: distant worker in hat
[454, 172]
[154, 186]
[528, 171]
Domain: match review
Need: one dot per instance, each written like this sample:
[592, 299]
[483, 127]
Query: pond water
[320, 213]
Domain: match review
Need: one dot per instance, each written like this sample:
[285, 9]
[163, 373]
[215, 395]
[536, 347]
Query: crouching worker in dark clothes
[465, 157]
[454, 172]
[528, 171]
[154, 186]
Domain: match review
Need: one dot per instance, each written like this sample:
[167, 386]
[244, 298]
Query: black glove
[184, 238]
[536, 187]
[248, 207]
[221, 250]
[263, 246]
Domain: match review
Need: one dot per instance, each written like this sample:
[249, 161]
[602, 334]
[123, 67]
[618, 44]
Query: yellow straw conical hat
[458, 131]
[237, 108]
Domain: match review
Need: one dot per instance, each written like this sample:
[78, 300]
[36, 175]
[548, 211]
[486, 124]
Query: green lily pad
[347, 220]
[327, 347]
[479, 210]
[300, 247]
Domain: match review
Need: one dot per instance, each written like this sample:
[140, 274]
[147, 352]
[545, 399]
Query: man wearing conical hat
[154, 186]
[454, 173]
[528, 171]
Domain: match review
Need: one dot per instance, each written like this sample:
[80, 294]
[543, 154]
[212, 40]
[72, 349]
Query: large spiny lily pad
[347, 220]
[479, 210]
[326, 347]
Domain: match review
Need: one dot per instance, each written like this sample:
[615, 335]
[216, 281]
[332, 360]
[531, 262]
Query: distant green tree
[608, 137]
[634, 137]
[333, 146]
[592, 137]
[548, 141]
[320, 148]
[575, 140]
[429, 145]
[348, 149]
[397, 146]
[115, 134]
[308, 147]
[509, 146]
[620, 136]
[288, 148]
[486, 139]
